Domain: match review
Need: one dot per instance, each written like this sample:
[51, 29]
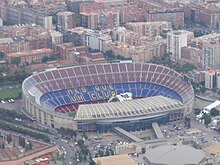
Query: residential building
[100, 20]
[76, 35]
[148, 28]
[210, 79]
[211, 55]
[175, 41]
[210, 45]
[74, 5]
[197, 76]
[23, 38]
[142, 53]
[1, 22]
[204, 13]
[173, 15]
[17, 15]
[31, 56]
[57, 37]
[96, 40]
[192, 55]
[218, 79]
[66, 20]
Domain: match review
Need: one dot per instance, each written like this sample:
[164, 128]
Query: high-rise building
[211, 55]
[218, 79]
[210, 80]
[175, 41]
[100, 20]
[66, 20]
[1, 22]
[16, 15]
[210, 46]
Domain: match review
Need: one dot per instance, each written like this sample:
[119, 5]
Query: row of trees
[165, 60]
[66, 132]
[36, 135]
[207, 117]
[110, 56]
[9, 116]
[16, 78]
[102, 153]
[27, 145]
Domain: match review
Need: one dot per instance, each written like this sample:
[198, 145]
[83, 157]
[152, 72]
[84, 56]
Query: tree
[197, 111]
[207, 118]
[80, 142]
[2, 55]
[214, 112]
[109, 54]
[9, 139]
[203, 89]
[80, 156]
[188, 67]
[16, 60]
[30, 146]
[111, 151]
[45, 59]
[107, 153]
[101, 153]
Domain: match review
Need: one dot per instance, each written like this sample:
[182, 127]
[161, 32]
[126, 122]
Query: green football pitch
[9, 93]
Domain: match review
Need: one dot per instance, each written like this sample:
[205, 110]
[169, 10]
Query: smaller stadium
[101, 96]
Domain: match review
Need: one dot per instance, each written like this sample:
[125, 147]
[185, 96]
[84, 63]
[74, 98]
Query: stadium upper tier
[64, 88]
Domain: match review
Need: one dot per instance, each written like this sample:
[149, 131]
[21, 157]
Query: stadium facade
[76, 97]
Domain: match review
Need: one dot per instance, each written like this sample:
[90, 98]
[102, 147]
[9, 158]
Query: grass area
[9, 93]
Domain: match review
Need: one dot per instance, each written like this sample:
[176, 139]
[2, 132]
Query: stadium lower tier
[66, 101]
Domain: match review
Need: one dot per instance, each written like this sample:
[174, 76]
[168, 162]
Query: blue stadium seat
[138, 89]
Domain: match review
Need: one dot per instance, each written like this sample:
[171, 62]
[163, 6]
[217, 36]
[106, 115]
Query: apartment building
[148, 28]
[175, 41]
[192, 55]
[17, 15]
[66, 20]
[30, 56]
[205, 13]
[100, 20]
[24, 38]
[173, 15]
[210, 79]
[210, 45]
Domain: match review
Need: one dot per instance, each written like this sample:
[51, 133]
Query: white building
[1, 22]
[175, 41]
[218, 79]
[96, 40]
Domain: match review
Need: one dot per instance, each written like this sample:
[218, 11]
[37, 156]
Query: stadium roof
[138, 107]
[173, 155]
[114, 160]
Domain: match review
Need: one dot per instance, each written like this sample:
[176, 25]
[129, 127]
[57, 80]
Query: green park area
[10, 93]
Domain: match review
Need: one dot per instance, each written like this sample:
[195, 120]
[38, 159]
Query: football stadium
[99, 97]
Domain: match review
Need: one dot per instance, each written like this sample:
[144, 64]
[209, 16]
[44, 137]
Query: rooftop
[33, 52]
[115, 160]
[173, 155]
[6, 40]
